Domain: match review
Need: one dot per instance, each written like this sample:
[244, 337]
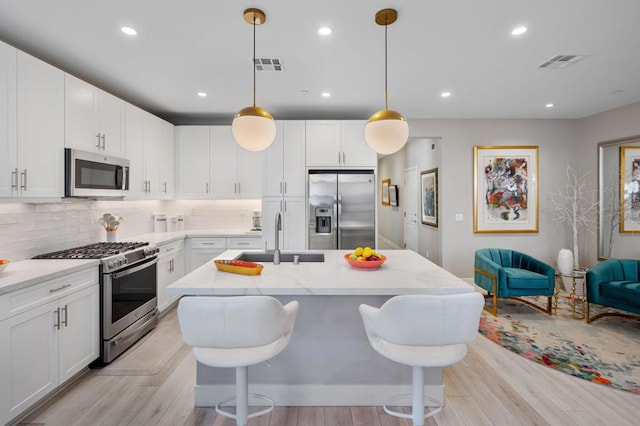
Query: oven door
[128, 294]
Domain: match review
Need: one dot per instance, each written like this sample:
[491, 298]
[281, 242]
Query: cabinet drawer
[244, 243]
[171, 247]
[18, 301]
[207, 243]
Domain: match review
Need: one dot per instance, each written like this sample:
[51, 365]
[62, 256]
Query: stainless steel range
[129, 299]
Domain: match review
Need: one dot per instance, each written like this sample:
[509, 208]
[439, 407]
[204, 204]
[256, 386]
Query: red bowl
[365, 264]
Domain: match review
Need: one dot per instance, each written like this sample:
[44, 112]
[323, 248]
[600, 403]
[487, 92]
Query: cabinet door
[153, 146]
[273, 180]
[167, 161]
[294, 171]
[8, 142]
[250, 167]
[80, 104]
[134, 138]
[323, 143]
[40, 128]
[192, 162]
[224, 163]
[28, 359]
[294, 223]
[164, 279]
[356, 151]
[111, 123]
[79, 342]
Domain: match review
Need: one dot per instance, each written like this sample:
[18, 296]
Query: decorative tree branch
[576, 207]
[613, 209]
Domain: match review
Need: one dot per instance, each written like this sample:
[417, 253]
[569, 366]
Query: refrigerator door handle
[338, 222]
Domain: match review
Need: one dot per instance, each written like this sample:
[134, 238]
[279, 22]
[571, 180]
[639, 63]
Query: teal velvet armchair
[614, 283]
[509, 273]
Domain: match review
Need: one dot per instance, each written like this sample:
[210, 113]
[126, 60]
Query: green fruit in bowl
[353, 256]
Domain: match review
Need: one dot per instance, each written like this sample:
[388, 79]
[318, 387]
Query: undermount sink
[284, 257]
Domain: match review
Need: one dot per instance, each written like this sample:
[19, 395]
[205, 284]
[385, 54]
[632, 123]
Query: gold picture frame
[630, 189]
[505, 180]
[385, 192]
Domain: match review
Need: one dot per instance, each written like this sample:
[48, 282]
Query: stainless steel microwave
[89, 174]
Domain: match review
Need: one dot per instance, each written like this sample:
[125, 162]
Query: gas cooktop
[93, 251]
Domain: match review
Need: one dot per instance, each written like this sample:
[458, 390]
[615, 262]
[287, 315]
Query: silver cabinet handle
[285, 187]
[280, 205]
[65, 321]
[56, 316]
[206, 185]
[281, 187]
[149, 186]
[344, 160]
[23, 179]
[165, 186]
[242, 244]
[14, 179]
[104, 143]
[285, 205]
[55, 290]
[99, 136]
[235, 187]
[207, 244]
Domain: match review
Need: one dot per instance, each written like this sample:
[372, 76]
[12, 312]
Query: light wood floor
[492, 386]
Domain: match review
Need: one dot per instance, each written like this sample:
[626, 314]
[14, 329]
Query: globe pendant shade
[386, 132]
[253, 129]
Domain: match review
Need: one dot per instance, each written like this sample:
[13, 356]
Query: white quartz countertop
[404, 272]
[25, 273]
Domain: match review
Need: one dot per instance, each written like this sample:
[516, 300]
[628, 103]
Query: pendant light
[386, 131]
[253, 127]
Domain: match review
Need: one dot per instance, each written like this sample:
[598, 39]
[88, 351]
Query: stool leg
[418, 396]
[242, 395]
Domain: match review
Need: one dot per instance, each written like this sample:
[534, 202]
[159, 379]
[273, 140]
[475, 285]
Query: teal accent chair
[509, 273]
[614, 283]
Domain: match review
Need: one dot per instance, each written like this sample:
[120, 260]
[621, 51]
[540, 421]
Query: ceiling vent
[268, 64]
[562, 61]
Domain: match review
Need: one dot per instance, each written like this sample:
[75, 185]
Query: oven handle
[131, 333]
[124, 273]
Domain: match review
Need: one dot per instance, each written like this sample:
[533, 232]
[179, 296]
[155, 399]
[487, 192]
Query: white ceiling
[465, 47]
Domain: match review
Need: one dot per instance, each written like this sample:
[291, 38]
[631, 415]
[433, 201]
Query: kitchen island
[329, 360]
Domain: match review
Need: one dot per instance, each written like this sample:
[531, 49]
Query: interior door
[411, 209]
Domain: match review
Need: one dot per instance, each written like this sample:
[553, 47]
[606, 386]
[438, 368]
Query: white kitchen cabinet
[203, 249]
[192, 162]
[149, 148]
[334, 143]
[50, 332]
[171, 267]
[94, 119]
[228, 171]
[293, 211]
[33, 139]
[284, 170]
[8, 120]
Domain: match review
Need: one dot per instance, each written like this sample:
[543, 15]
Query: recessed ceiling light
[128, 31]
[519, 30]
[617, 91]
[549, 105]
[304, 91]
[326, 94]
[445, 94]
[202, 94]
[325, 31]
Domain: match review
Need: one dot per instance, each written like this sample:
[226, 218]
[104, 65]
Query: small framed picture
[429, 197]
[385, 191]
[393, 195]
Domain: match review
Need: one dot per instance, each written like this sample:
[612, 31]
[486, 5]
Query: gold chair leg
[493, 311]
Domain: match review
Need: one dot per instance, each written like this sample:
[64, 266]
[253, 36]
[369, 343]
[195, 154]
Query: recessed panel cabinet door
[8, 144]
[192, 162]
[324, 143]
[224, 163]
[28, 359]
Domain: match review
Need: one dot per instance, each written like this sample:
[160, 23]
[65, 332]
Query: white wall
[558, 145]
[27, 230]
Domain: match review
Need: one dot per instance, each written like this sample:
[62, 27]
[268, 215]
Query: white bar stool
[422, 331]
[237, 332]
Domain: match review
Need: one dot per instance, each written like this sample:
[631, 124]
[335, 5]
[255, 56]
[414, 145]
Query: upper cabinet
[284, 171]
[334, 143]
[211, 165]
[150, 149]
[94, 119]
[32, 130]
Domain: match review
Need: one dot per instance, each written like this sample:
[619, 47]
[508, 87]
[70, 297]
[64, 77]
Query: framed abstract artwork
[429, 197]
[385, 191]
[505, 184]
[393, 195]
[630, 189]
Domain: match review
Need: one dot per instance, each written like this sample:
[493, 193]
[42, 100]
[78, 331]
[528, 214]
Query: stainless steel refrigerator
[341, 209]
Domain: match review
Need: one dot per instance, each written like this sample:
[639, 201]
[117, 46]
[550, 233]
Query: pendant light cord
[253, 60]
[386, 97]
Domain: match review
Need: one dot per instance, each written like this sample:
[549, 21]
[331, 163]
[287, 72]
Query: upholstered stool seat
[422, 331]
[237, 332]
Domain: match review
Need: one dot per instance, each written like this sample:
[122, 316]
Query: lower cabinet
[170, 269]
[49, 341]
[203, 249]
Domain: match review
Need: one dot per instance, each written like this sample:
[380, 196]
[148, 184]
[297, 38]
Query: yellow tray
[239, 267]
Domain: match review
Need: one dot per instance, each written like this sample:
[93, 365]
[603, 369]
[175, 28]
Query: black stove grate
[93, 251]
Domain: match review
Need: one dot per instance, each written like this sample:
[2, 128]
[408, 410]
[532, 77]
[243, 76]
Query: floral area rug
[606, 351]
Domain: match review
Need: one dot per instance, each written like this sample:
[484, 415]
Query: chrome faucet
[276, 251]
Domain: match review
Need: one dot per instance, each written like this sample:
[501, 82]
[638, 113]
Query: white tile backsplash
[28, 229]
